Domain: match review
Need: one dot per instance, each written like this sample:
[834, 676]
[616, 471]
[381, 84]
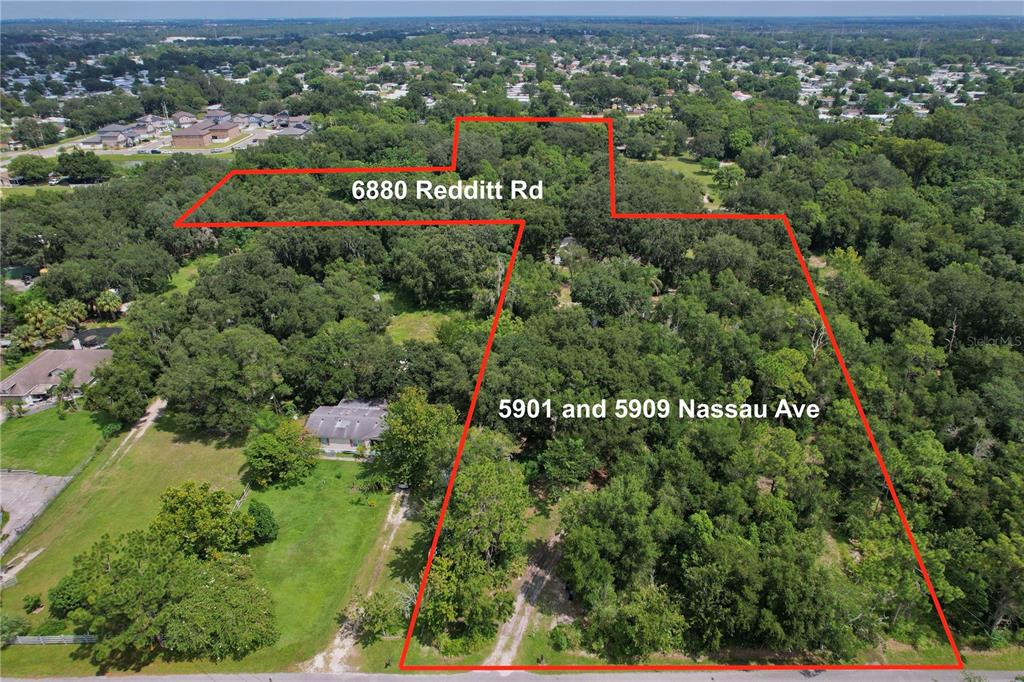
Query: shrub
[379, 616]
[265, 525]
[565, 637]
[32, 602]
[66, 596]
[11, 627]
[51, 626]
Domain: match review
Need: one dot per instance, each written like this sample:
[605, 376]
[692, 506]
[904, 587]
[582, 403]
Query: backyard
[51, 444]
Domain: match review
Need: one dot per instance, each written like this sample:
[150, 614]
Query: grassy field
[185, 278]
[412, 322]
[112, 496]
[47, 444]
[28, 190]
[402, 564]
[689, 168]
[327, 529]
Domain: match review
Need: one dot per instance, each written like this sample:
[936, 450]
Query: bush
[379, 616]
[32, 602]
[265, 525]
[11, 627]
[51, 626]
[565, 637]
[66, 596]
[110, 430]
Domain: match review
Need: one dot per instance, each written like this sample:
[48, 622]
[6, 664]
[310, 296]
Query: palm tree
[108, 303]
[64, 391]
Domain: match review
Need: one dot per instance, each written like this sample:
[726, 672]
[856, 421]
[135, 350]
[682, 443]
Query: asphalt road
[483, 676]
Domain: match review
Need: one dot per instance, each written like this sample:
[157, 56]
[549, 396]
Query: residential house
[32, 383]
[183, 119]
[348, 425]
[224, 129]
[298, 131]
[191, 137]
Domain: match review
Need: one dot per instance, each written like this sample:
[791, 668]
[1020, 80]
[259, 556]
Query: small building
[183, 119]
[224, 130]
[113, 140]
[293, 131]
[348, 425]
[191, 137]
[32, 383]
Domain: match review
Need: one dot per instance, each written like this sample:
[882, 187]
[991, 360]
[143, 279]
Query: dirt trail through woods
[538, 574]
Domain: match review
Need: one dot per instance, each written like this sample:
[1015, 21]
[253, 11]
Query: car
[155, 151]
[216, 151]
[140, 151]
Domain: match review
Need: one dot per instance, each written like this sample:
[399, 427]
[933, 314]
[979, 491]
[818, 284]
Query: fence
[54, 639]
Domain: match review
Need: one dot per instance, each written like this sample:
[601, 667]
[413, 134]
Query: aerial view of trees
[770, 539]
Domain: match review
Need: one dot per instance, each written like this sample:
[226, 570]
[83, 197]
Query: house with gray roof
[344, 427]
[32, 383]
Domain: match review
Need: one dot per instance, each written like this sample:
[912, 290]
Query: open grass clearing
[47, 443]
[327, 531]
[29, 190]
[690, 168]
[411, 322]
[185, 278]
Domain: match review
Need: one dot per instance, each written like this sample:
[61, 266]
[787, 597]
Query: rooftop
[45, 370]
[349, 420]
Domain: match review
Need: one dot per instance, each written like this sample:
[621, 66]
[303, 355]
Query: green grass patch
[690, 168]
[327, 530]
[185, 278]
[412, 322]
[48, 444]
[29, 190]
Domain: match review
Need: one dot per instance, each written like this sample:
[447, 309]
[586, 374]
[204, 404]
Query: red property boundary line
[521, 225]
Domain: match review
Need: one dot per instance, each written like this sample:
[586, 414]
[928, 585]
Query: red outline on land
[521, 225]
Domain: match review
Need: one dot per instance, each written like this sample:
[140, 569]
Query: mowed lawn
[47, 444]
[327, 531]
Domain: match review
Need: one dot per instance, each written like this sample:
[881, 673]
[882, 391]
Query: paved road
[727, 676]
[163, 143]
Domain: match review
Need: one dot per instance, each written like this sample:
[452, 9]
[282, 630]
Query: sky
[295, 9]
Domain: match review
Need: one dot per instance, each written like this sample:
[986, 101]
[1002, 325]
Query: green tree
[201, 521]
[264, 525]
[64, 391]
[143, 599]
[286, 455]
[108, 303]
[84, 167]
[32, 169]
[219, 380]
[417, 444]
